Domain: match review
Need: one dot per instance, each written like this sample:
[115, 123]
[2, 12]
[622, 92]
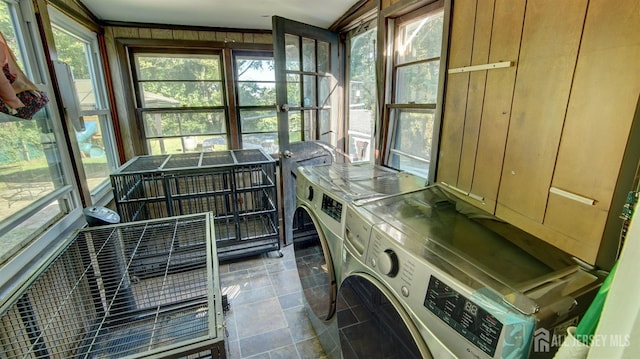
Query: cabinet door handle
[495, 65]
[573, 196]
[463, 192]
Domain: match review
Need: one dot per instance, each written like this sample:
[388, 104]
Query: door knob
[283, 108]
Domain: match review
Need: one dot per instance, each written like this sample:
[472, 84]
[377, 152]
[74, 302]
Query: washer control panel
[331, 207]
[464, 316]
[467, 329]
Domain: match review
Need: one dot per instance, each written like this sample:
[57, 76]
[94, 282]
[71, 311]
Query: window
[78, 48]
[35, 194]
[256, 99]
[413, 103]
[362, 94]
[181, 101]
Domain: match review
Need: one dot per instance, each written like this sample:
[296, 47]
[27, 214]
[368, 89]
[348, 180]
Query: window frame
[102, 193]
[366, 24]
[18, 266]
[238, 106]
[138, 100]
[389, 21]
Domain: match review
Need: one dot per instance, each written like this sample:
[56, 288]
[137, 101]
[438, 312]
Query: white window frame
[363, 27]
[102, 194]
[393, 110]
[17, 269]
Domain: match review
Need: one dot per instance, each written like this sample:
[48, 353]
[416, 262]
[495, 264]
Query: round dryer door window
[313, 260]
[372, 323]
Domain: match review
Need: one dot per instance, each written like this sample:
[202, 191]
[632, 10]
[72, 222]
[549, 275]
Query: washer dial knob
[388, 263]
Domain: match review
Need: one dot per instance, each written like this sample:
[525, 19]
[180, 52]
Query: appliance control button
[373, 262]
[388, 261]
[405, 291]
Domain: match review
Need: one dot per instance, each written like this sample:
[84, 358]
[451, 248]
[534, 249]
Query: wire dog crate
[144, 289]
[238, 186]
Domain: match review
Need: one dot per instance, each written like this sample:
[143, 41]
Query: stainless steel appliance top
[363, 182]
[522, 268]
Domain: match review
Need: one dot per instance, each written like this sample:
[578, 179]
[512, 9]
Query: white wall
[620, 320]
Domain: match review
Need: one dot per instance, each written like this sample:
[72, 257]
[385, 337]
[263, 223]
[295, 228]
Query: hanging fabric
[18, 95]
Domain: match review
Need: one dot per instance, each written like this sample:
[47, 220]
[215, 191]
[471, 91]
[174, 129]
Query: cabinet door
[596, 130]
[478, 104]
[496, 111]
[550, 42]
[475, 93]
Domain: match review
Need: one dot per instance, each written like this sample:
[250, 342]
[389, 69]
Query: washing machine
[430, 276]
[323, 193]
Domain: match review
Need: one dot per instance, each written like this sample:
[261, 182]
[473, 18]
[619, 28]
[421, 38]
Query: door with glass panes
[308, 81]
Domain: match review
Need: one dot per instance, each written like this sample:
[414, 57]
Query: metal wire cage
[143, 289]
[238, 186]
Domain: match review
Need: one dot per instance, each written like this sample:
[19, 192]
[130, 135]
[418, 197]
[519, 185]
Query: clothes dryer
[322, 195]
[461, 282]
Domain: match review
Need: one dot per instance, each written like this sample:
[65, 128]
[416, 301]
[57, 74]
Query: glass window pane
[178, 67]
[310, 130]
[213, 143]
[409, 164]
[420, 39]
[9, 32]
[182, 94]
[75, 52]
[309, 84]
[327, 131]
[362, 95]
[92, 148]
[158, 124]
[266, 141]
[256, 93]
[308, 55]
[292, 46]
[259, 121]
[169, 145]
[324, 91]
[255, 81]
[293, 90]
[29, 163]
[323, 57]
[78, 47]
[295, 126]
[254, 68]
[413, 136]
[16, 238]
[418, 83]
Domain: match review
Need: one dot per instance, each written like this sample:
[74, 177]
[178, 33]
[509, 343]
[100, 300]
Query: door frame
[287, 165]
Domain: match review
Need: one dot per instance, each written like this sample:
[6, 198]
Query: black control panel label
[464, 316]
[331, 207]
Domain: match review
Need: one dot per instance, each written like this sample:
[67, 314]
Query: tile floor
[267, 318]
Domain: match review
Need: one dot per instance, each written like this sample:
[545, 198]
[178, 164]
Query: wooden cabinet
[597, 148]
[552, 149]
[478, 104]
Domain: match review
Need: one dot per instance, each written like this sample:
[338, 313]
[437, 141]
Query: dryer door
[373, 324]
[315, 266]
